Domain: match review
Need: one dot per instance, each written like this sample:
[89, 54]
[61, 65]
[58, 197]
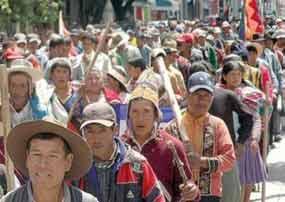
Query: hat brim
[201, 87]
[118, 78]
[106, 123]
[280, 37]
[20, 135]
[36, 75]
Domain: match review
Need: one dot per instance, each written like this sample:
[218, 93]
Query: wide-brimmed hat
[22, 65]
[119, 73]
[169, 45]
[118, 39]
[22, 133]
[279, 34]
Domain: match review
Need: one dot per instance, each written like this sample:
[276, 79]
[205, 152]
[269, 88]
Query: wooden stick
[174, 104]
[90, 66]
[6, 119]
[265, 138]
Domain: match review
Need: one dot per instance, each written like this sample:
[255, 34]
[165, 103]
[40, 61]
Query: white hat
[22, 65]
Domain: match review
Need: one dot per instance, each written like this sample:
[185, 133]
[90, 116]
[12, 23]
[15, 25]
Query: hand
[254, 146]
[239, 150]
[189, 191]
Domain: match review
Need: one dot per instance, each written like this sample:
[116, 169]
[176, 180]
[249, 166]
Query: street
[275, 186]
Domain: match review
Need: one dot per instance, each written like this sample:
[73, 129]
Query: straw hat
[120, 74]
[21, 134]
[145, 91]
[118, 39]
[22, 65]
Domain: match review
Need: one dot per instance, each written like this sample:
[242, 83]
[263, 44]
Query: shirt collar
[154, 135]
[66, 193]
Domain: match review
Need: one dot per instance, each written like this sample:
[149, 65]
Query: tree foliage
[31, 12]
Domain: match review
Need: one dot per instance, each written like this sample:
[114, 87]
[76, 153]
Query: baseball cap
[100, 113]
[200, 80]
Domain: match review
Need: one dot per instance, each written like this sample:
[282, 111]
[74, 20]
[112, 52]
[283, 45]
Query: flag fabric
[61, 27]
[122, 114]
[63, 31]
[253, 20]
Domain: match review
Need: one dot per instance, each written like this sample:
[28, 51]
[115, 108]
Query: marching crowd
[63, 93]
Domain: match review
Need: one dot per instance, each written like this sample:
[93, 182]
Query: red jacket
[160, 158]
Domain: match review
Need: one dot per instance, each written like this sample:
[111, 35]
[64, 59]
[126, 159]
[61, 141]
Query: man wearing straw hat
[48, 154]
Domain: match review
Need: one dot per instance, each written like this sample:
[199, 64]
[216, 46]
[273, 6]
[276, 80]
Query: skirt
[251, 167]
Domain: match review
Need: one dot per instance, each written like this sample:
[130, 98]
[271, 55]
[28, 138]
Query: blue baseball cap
[199, 81]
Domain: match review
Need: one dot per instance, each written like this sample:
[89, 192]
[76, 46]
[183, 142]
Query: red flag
[253, 20]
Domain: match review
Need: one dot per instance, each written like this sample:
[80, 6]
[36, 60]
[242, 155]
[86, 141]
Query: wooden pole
[91, 65]
[5, 113]
[174, 104]
[265, 138]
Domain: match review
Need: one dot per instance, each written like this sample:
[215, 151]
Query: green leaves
[29, 11]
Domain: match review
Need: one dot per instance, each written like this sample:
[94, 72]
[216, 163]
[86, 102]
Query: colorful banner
[253, 20]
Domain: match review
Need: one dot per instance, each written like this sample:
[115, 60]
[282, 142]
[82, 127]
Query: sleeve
[150, 186]
[245, 119]
[225, 148]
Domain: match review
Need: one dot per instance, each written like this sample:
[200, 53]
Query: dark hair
[89, 36]
[139, 63]
[56, 41]
[60, 63]
[197, 67]
[251, 48]
[49, 136]
[228, 67]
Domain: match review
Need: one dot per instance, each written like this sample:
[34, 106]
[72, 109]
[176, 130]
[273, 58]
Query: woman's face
[233, 79]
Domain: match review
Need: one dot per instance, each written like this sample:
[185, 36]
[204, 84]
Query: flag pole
[265, 139]
[5, 114]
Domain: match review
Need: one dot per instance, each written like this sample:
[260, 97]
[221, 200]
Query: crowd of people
[65, 141]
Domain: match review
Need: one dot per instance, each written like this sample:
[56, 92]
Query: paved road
[275, 186]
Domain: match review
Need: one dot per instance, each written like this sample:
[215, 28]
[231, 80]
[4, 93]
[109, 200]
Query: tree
[29, 12]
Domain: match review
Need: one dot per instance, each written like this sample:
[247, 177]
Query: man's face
[99, 138]
[281, 43]
[88, 45]
[171, 57]
[93, 82]
[133, 72]
[33, 46]
[252, 57]
[19, 90]
[199, 102]
[47, 162]
[226, 30]
[60, 77]
[142, 117]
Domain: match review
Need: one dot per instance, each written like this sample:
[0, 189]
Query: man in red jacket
[144, 136]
